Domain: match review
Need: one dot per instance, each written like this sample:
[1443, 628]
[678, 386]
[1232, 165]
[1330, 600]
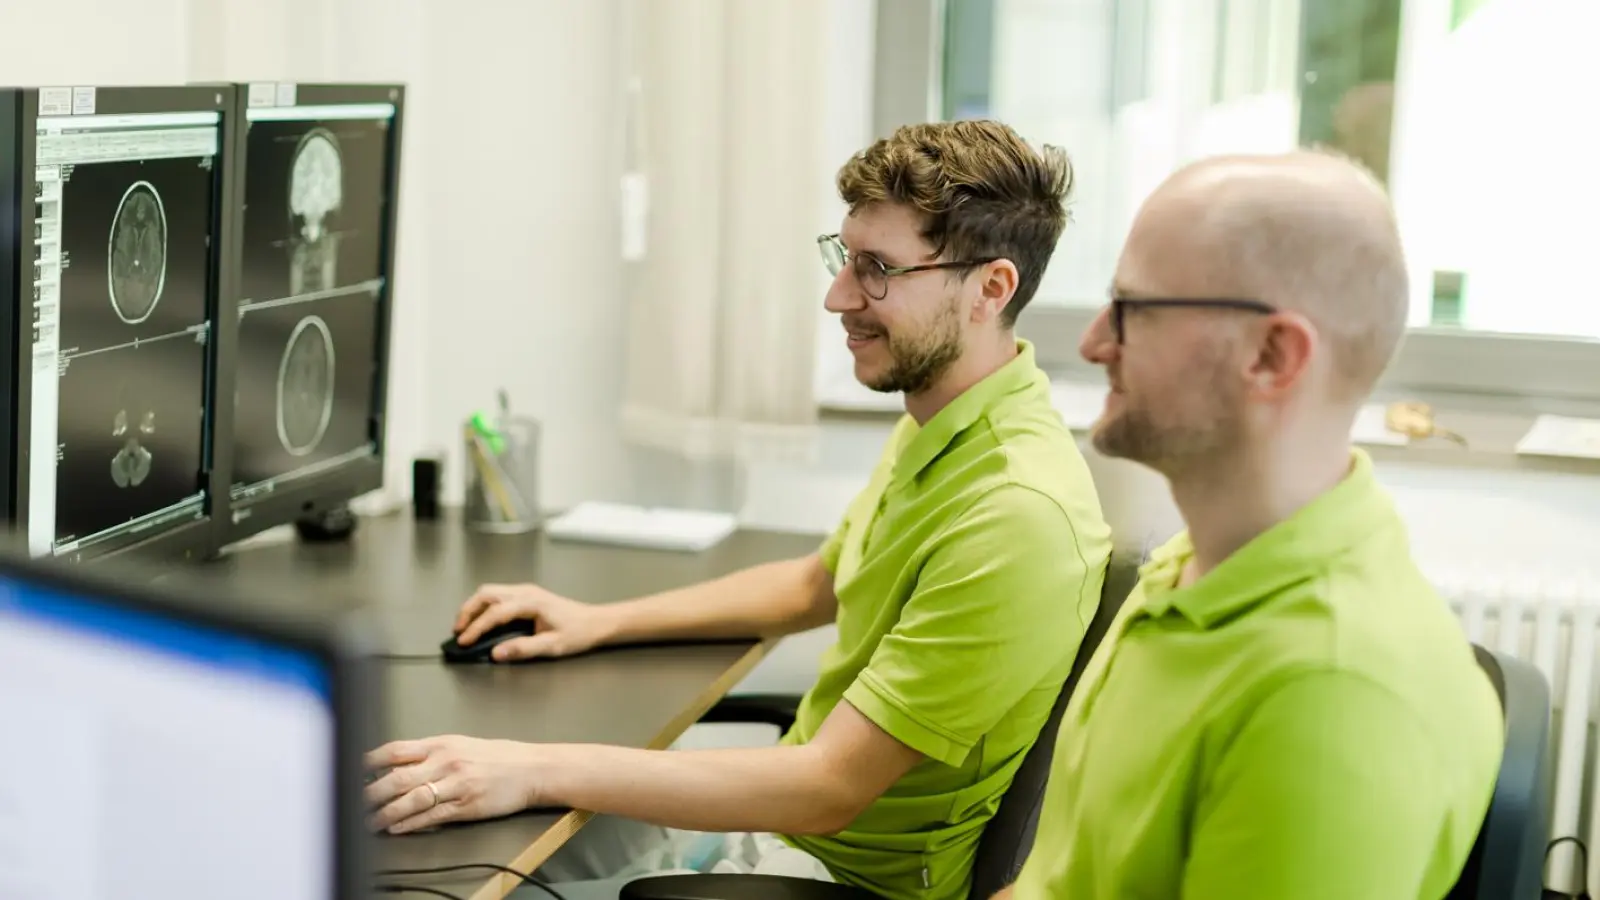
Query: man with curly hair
[961, 579]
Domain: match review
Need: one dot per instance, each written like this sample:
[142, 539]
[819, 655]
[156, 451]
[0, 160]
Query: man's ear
[997, 285]
[1283, 355]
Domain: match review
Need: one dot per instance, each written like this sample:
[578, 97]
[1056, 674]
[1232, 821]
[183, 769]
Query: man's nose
[1098, 344]
[844, 294]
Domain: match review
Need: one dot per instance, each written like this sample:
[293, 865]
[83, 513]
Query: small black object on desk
[425, 488]
[481, 649]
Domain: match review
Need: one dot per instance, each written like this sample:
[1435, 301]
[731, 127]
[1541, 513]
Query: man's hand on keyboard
[565, 627]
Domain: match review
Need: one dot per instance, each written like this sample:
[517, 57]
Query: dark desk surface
[415, 576]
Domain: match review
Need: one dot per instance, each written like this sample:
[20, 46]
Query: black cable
[415, 889]
[443, 870]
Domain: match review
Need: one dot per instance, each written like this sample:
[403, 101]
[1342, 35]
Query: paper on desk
[1369, 428]
[638, 526]
[1562, 436]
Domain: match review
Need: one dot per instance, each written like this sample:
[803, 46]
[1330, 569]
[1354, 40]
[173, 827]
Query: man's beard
[918, 361]
[1200, 424]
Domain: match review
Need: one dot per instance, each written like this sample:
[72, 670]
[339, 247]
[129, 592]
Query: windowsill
[1491, 426]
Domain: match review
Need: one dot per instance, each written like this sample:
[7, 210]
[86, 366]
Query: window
[1469, 110]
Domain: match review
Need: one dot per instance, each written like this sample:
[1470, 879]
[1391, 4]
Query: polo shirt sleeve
[831, 547]
[1329, 790]
[1002, 600]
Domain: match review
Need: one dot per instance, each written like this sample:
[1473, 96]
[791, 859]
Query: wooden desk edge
[546, 844]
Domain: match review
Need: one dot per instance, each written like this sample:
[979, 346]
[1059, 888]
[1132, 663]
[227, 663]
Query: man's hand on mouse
[565, 627]
[426, 783]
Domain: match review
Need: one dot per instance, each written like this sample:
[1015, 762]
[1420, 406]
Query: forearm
[764, 601]
[781, 790]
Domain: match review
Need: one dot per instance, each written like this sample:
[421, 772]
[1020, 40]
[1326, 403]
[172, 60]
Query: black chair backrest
[1009, 835]
[1507, 859]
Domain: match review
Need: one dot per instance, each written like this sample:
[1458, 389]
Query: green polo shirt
[1306, 720]
[967, 571]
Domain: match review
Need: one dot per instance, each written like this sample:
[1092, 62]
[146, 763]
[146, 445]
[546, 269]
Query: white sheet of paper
[638, 526]
[1562, 436]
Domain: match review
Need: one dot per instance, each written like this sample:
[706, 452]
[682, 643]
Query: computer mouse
[479, 650]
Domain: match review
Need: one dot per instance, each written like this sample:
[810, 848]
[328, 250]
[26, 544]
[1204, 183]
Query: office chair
[1507, 859]
[1007, 837]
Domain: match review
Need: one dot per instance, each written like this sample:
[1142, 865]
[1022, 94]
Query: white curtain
[726, 128]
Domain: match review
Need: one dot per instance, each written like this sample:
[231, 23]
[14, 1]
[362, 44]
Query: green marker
[491, 436]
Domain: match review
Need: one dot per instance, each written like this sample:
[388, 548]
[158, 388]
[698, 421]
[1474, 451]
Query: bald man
[1284, 709]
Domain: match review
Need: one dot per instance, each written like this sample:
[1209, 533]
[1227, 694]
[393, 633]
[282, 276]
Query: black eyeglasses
[1120, 305]
[871, 272]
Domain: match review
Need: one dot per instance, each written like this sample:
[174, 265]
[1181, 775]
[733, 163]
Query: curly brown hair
[982, 192]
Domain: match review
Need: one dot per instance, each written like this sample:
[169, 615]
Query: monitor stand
[336, 524]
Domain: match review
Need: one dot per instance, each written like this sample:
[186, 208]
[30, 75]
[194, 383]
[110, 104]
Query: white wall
[524, 285]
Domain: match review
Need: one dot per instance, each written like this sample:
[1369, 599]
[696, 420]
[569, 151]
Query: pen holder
[502, 476]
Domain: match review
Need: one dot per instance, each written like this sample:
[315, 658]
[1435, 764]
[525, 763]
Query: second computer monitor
[319, 179]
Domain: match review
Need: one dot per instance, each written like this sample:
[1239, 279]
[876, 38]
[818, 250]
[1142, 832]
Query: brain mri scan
[137, 258]
[131, 466]
[316, 192]
[305, 386]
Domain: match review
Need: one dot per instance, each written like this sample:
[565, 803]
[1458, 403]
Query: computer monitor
[112, 217]
[305, 362]
[163, 747]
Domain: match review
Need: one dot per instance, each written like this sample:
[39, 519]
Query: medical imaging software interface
[315, 211]
[124, 206]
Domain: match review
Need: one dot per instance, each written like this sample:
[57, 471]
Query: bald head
[1307, 231]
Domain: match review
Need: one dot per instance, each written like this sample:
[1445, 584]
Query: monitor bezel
[346, 644]
[310, 495]
[19, 112]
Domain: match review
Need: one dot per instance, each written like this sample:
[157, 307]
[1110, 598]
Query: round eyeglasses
[871, 272]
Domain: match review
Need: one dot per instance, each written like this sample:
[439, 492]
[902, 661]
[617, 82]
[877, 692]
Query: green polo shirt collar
[923, 445]
[1290, 551]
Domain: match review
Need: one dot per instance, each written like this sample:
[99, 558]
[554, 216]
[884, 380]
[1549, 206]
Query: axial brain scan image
[316, 192]
[137, 261]
[305, 386]
[131, 466]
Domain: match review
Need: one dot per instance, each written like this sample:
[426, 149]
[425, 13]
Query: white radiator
[1552, 624]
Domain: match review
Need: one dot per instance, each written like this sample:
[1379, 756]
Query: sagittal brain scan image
[316, 191]
[314, 206]
[136, 265]
[305, 387]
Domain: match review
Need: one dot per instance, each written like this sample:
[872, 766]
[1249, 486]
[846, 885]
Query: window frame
[908, 76]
